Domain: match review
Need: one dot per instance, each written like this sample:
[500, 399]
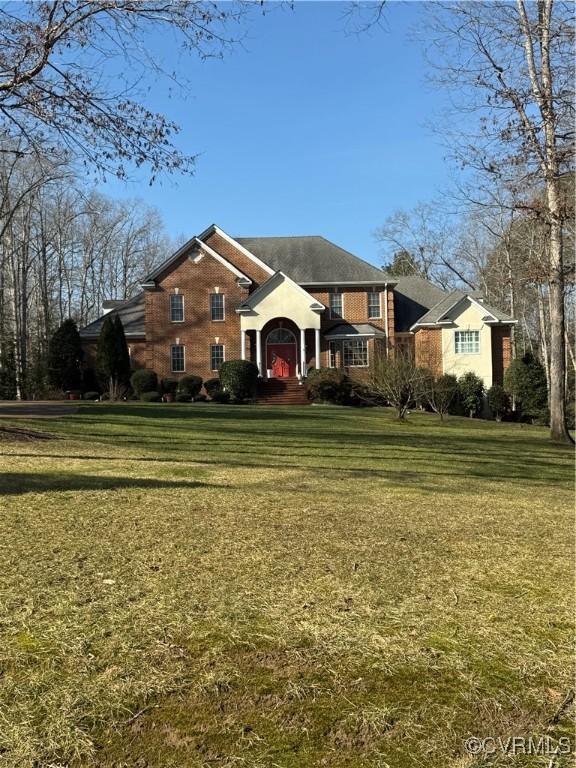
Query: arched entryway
[281, 353]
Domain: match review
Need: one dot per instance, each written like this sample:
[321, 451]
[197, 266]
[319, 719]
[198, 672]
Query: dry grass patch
[256, 587]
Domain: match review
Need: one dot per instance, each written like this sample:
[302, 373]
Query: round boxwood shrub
[182, 397]
[239, 378]
[190, 385]
[471, 389]
[91, 395]
[151, 397]
[329, 385]
[169, 386]
[144, 380]
[212, 386]
[220, 396]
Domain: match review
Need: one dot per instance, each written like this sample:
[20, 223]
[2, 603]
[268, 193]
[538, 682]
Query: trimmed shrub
[182, 397]
[239, 378]
[212, 386]
[471, 389]
[144, 380]
[91, 395]
[169, 386]
[200, 399]
[329, 385]
[525, 380]
[190, 385]
[151, 397]
[220, 396]
[499, 401]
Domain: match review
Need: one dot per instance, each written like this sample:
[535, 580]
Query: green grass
[281, 587]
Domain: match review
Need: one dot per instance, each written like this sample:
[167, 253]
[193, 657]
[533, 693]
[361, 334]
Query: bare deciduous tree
[511, 64]
[69, 72]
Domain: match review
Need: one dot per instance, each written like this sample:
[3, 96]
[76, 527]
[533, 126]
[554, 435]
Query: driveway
[34, 409]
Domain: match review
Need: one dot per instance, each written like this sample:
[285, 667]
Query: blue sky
[304, 130]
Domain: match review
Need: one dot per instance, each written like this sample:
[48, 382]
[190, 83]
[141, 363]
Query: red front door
[281, 360]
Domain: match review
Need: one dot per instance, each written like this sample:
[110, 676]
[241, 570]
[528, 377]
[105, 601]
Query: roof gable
[451, 307]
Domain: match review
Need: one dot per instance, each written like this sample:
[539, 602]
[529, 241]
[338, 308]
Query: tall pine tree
[112, 357]
[65, 357]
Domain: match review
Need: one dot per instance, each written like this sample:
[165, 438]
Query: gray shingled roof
[413, 297]
[312, 259]
[131, 313]
[435, 314]
[354, 329]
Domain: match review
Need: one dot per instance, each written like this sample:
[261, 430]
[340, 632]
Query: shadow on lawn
[14, 483]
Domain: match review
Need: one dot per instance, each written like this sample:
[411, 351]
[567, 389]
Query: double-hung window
[217, 306]
[467, 342]
[177, 358]
[336, 306]
[176, 308]
[216, 356]
[333, 354]
[355, 353]
[374, 304]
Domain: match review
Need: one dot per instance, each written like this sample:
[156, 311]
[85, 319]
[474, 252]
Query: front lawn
[247, 586]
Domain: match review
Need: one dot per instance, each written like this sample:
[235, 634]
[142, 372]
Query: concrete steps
[282, 392]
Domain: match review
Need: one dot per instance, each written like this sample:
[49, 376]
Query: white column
[243, 345]
[259, 351]
[317, 347]
[303, 367]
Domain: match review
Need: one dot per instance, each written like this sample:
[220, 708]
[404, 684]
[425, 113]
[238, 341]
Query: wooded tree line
[64, 249]
[499, 251]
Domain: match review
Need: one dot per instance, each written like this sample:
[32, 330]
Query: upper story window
[216, 356]
[336, 306]
[176, 308]
[467, 342]
[374, 310]
[177, 358]
[355, 353]
[217, 306]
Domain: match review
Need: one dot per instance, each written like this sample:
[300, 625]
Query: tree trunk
[558, 430]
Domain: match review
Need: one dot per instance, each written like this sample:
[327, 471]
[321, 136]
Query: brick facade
[501, 352]
[195, 281]
[242, 262]
[355, 310]
[428, 349]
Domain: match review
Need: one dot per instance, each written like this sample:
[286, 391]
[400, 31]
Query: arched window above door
[281, 336]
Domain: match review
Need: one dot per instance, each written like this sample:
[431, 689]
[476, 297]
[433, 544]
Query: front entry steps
[282, 392]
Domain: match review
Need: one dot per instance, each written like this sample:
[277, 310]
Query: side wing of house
[461, 334]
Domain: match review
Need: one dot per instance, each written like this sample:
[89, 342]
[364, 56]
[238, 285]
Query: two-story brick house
[292, 303]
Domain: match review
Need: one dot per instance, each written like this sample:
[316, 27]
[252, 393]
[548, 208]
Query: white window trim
[215, 370]
[335, 347]
[172, 359]
[379, 315]
[336, 291]
[183, 308]
[223, 307]
[365, 365]
[467, 330]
